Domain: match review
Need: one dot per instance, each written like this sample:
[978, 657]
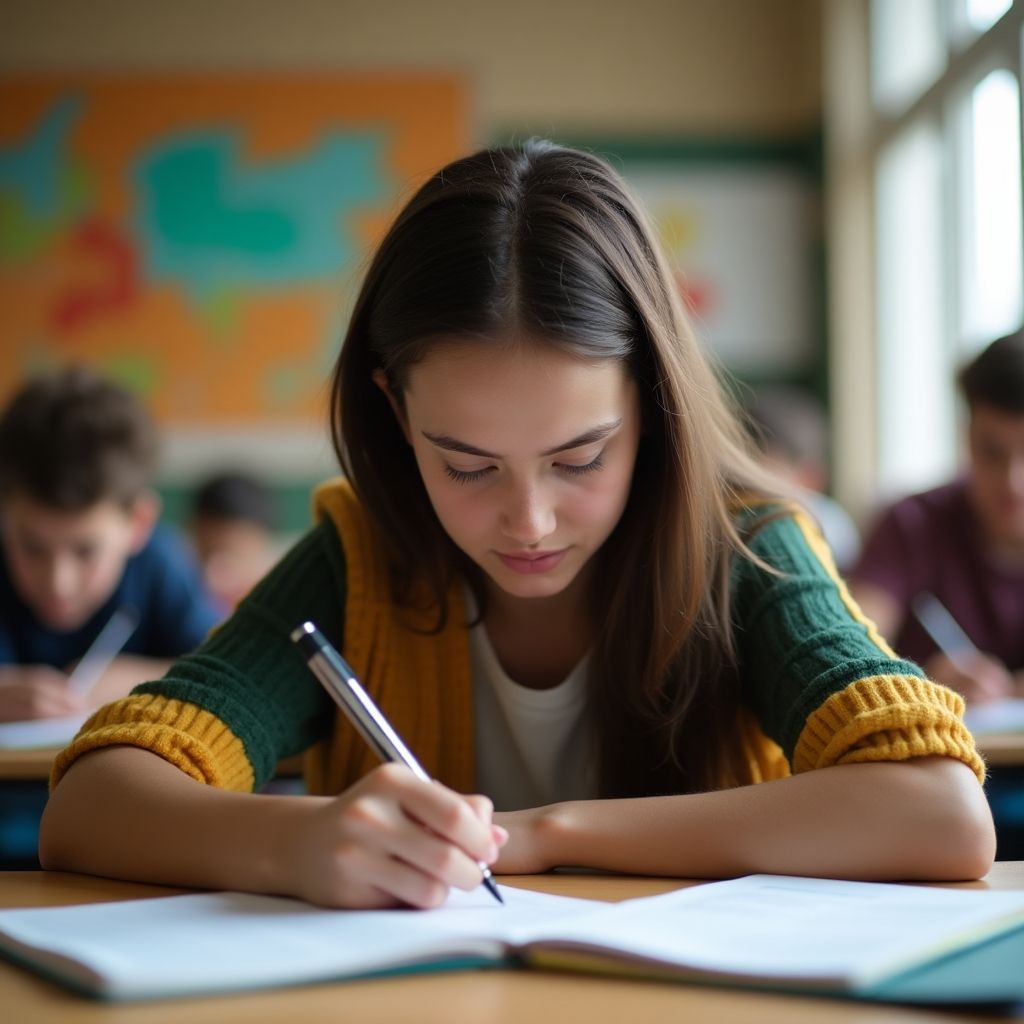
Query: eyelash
[462, 477]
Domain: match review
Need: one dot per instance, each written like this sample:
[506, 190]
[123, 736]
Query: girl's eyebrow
[595, 434]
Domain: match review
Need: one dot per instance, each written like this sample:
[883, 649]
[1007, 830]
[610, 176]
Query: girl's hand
[391, 839]
[527, 851]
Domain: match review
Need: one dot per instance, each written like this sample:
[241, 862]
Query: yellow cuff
[887, 718]
[186, 735]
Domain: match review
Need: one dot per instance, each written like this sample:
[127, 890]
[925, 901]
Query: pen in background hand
[944, 630]
[340, 682]
[102, 651]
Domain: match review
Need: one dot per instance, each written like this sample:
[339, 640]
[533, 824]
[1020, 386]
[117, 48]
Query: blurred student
[232, 526]
[963, 543]
[791, 431]
[79, 539]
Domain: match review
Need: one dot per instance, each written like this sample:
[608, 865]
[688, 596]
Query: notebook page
[806, 930]
[220, 941]
[996, 716]
[40, 732]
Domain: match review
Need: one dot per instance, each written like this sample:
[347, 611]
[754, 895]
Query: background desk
[468, 997]
[1002, 748]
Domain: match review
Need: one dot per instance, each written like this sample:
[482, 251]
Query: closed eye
[469, 476]
[462, 476]
[589, 467]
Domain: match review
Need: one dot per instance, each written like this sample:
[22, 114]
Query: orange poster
[199, 238]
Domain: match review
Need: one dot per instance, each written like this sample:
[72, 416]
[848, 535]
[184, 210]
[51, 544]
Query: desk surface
[473, 997]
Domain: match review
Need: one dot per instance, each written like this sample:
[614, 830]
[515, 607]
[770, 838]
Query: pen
[102, 651]
[340, 682]
[940, 625]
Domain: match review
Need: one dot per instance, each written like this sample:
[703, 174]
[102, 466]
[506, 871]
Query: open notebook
[846, 938]
[41, 732]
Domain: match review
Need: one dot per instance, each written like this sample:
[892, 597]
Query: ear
[381, 380]
[143, 514]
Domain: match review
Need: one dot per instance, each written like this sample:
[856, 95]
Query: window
[907, 50]
[911, 341]
[990, 252]
[980, 15]
[942, 145]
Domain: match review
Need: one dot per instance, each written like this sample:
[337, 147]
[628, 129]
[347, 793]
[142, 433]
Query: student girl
[566, 583]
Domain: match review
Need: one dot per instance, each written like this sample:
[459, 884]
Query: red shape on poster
[116, 290]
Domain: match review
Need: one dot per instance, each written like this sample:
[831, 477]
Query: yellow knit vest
[421, 681]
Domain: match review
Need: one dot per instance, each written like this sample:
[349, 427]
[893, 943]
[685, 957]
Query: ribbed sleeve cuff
[187, 736]
[887, 718]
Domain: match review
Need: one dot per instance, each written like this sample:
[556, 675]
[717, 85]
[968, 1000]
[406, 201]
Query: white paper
[996, 716]
[41, 732]
[769, 928]
[211, 942]
[777, 927]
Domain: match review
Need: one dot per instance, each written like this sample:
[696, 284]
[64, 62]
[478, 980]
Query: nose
[61, 578]
[528, 515]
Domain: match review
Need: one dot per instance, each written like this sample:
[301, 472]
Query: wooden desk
[26, 764]
[1002, 748]
[468, 997]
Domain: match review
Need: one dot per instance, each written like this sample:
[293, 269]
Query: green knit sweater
[816, 678]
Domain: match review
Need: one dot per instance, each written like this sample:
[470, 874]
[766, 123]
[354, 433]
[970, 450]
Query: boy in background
[962, 542]
[232, 526]
[80, 539]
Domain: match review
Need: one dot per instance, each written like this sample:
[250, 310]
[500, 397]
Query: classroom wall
[653, 71]
[643, 67]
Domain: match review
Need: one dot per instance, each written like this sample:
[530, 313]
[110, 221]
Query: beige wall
[570, 67]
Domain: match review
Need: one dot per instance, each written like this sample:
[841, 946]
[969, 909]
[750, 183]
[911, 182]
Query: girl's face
[527, 454]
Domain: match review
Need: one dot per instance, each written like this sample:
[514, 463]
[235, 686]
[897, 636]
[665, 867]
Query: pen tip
[492, 887]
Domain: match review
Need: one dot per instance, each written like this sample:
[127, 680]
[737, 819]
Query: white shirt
[533, 747]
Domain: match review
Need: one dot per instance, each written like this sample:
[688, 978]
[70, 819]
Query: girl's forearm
[392, 838]
[921, 819]
[126, 813]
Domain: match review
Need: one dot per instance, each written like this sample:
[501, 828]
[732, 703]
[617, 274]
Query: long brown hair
[546, 242]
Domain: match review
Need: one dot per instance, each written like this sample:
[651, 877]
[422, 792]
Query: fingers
[976, 676]
[483, 808]
[39, 699]
[985, 678]
[464, 822]
[371, 880]
[979, 689]
[394, 837]
[388, 825]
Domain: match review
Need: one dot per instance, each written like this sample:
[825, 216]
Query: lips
[528, 562]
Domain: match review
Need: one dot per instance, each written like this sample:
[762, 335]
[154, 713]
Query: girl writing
[558, 571]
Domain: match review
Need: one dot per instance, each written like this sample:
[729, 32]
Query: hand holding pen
[958, 664]
[399, 835]
[41, 691]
